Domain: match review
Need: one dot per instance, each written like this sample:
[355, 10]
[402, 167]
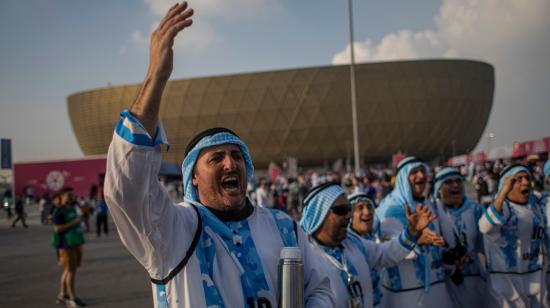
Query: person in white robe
[514, 234]
[326, 217]
[215, 249]
[421, 278]
[458, 218]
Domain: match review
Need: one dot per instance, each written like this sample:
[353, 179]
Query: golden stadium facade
[426, 108]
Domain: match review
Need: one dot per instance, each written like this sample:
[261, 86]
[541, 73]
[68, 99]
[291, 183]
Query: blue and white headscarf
[190, 192]
[511, 171]
[547, 169]
[358, 197]
[444, 175]
[252, 279]
[403, 191]
[317, 205]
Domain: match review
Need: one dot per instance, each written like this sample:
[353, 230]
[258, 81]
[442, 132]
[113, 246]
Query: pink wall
[54, 175]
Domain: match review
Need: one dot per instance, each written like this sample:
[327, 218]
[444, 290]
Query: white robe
[514, 262]
[377, 257]
[158, 234]
[403, 284]
[463, 223]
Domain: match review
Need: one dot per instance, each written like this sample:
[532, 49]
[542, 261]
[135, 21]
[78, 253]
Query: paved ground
[29, 274]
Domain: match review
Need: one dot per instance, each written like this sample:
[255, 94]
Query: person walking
[20, 214]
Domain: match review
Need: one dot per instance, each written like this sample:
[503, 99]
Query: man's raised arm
[139, 205]
[161, 60]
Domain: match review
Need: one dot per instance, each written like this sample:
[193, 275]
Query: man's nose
[229, 163]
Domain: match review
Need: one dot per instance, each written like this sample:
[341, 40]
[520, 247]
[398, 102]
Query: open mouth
[230, 183]
[366, 221]
[525, 191]
[456, 192]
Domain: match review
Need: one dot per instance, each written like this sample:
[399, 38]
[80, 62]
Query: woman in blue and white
[458, 218]
[514, 232]
[350, 258]
[419, 279]
[363, 225]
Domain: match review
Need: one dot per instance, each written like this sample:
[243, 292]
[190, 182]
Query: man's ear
[194, 180]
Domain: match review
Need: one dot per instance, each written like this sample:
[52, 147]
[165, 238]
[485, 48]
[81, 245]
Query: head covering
[358, 197]
[547, 169]
[403, 191]
[444, 175]
[317, 204]
[511, 170]
[209, 138]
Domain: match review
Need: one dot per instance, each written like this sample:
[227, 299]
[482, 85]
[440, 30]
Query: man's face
[417, 179]
[336, 223]
[363, 217]
[452, 192]
[521, 188]
[220, 177]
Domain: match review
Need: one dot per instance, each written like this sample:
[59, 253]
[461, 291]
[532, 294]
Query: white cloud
[395, 46]
[463, 28]
[512, 35]
[203, 34]
[219, 8]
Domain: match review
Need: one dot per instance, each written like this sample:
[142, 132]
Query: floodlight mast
[353, 93]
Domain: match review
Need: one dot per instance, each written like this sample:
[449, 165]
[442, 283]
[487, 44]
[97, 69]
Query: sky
[52, 49]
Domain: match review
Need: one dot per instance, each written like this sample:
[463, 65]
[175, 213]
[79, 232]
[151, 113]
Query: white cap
[291, 253]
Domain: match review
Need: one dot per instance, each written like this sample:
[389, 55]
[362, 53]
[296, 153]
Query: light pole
[353, 94]
[490, 136]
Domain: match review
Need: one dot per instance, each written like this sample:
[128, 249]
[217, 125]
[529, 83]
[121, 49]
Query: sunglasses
[341, 210]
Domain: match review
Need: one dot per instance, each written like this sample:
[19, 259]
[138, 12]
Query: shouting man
[214, 249]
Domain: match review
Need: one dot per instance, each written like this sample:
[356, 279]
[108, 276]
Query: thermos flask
[291, 278]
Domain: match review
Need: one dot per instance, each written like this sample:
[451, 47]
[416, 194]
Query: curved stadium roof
[425, 108]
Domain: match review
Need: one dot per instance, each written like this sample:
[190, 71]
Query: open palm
[421, 218]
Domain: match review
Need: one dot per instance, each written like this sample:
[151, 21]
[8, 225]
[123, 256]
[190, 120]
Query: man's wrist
[413, 232]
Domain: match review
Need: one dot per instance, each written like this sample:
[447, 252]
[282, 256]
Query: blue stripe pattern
[131, 130]
[316, 209]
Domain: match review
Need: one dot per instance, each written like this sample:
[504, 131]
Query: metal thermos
[291, 278]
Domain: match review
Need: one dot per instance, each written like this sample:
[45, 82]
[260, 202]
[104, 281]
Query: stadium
[427, 108]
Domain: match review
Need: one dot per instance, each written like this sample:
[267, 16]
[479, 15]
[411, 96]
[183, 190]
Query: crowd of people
[417, 242]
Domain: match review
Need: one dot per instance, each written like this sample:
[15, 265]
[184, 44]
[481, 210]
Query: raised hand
[419, 220]
[161, 61]
[161, 56]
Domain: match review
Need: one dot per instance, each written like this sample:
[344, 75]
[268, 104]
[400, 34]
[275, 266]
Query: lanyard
[342, 266]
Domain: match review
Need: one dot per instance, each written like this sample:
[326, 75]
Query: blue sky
[51, 49]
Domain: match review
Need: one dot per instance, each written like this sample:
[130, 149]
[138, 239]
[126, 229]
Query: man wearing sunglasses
[514, 236]
[326, 217]
[419, 279]
[458, 217]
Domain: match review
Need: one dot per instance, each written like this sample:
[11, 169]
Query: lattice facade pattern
[425, 108]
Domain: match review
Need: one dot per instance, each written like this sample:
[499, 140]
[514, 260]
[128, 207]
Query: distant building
[427, 108]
